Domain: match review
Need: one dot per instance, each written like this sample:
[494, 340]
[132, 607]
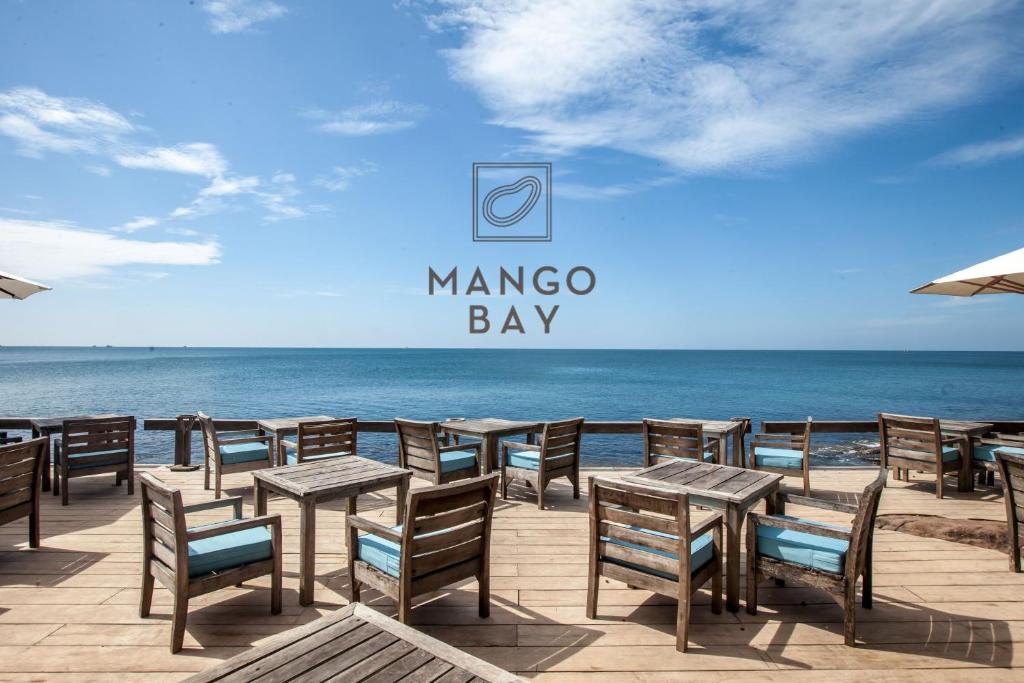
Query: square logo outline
[542, 165]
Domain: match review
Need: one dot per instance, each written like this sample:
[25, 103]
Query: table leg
[46, 460]
[737, 448]
[307, 551]
[490, 454]
[259, 494]
[733, 521]
[403, 490]
[965, 478]
[723, 449]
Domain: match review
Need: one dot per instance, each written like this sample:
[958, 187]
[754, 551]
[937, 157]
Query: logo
[512, 202]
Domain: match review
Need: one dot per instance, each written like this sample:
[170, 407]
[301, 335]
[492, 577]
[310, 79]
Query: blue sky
[737, 175]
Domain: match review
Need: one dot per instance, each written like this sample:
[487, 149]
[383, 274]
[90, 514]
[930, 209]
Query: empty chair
[984, 452]
[444, 538]
[557, 455]
[193, 561]
[642, 536]
[94, 446]
[235, 451]
[1011, 474]
[784, 453]
[21, 474]
[676, 440]
[822, 555]
[321, 440]
[916, 443]
[420, 449]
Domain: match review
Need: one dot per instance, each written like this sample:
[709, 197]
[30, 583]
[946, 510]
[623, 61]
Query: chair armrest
[233, 501]
[709, 524]
[521, 446]
[236, 433]
[756, 519]
[819, 503]
[950, 440]
[777, 440]
[289, 444]
[248, 439]
[469, 446]
[1002, 440]
[273, 520]
[372, 527]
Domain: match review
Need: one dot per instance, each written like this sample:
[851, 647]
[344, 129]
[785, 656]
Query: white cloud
[224, 187]
[722, 85]
[39, 123]
[341, 177]
[99, 170]
[232, 16]
[197, 158]
[138, 223]
[54, 250]
[981, 153]
[381, 116]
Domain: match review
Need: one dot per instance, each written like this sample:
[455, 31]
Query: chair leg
[540, 495]
[216, 484]
[404, 607]
[938, 484]
[593, 585]
[485, 594]
[130, 477]
[33, 528]
[850, 616]
[682, 623]
[206, 472]
[576, 486]
[716, 592]
[146, 599]
[63, 489]
[807, 483]
[275, 591]
[178, 622]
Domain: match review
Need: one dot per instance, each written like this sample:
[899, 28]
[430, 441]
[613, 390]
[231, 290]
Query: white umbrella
[14, 287]
[1001, 275]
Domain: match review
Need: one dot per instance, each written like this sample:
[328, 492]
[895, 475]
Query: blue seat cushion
[233, 549]
[232, 454]
[805, 549]
[950, 453]
[987, 452]
[783, 458]
[381, 553]
[528, 460]
[75, 459]
[291, 458]
[701, 552]
[457, 460]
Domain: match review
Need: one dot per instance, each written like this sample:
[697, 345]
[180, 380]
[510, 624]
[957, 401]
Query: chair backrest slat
[163, 524]
[561, 441]
[907, 436]
[81, 436]
[21, 467]
[674, 439]
[209, 435]
[418, 446]
[327, 436]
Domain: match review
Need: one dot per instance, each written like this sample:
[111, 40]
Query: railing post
[183, 444]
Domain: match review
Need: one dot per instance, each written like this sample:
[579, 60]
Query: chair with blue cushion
[444, 538]
[821, 555]
[1010, 463]
[916, 443]
[557, 455]
[194, 560]
[231, 452]
[94, 446]
[320, 440]
[787, 453]
[421, 450]
[984, 453]
[21, 475]
[641, 535]
[676, 440]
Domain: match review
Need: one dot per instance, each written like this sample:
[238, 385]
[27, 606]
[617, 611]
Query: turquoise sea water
[527, 384]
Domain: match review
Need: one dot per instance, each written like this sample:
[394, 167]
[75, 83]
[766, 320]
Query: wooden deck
[69, 611]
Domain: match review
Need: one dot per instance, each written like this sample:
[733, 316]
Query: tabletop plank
[332, 476]
[279, 424]
[709, 481]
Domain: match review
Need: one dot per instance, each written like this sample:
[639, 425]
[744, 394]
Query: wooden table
[490, 431]
[354, 644]
[722, 430]
[48, 426]
[732, 489]
[310, 483]
[964, 430]
[283, 426]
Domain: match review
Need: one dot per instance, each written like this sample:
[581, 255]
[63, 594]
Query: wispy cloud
[374, 118]
[196, 158]
[233, 16]
[138, 223]
[98, 169]
[981, 153]
[340, 178]
[712, 86]
[40, 123]
[73, 252]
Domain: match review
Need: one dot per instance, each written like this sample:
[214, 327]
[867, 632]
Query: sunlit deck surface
[69, 611]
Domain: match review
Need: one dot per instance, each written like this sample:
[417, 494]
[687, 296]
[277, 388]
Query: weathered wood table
[311, 483]
[283, 426]
[490, 430]
[722, 430]
[48, 426]
[732, 489]
[964, 430]
[355, 643]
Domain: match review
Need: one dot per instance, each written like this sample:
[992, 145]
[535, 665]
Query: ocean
[380, 384]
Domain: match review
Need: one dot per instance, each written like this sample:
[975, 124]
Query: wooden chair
[916, 443]
[984, 449]
[821, 555]
[94, 446]
[193, 561]
[445, 537]
[642, 536]
[229, 452]
[557, 455]
[1011, 474]
[321, 440]
[785, 453]
[420, 449]
[676, 440]
[742, 436]
[21, 475]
